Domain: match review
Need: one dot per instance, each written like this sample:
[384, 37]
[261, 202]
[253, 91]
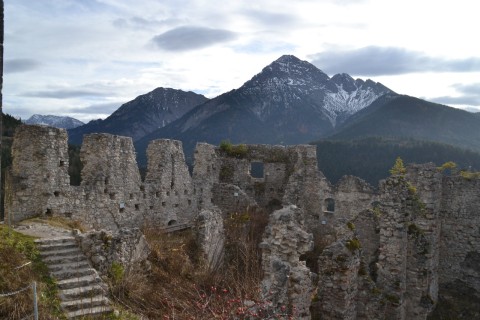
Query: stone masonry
[402, 251]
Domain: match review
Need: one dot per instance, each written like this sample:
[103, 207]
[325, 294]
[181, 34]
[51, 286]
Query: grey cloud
[270, 18]
[190, 38]
[466, 100]
[470, 95]
[20, 65]
[141, 23]
[101, 108]
[473, 89]
[376, 61]
[64, 94]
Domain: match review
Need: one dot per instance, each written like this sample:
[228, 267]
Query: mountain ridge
[54, 121]
[409, 117]
[290, 101]
[143, 114]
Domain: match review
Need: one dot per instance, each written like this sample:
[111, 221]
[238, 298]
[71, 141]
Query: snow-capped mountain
[289, 101]
[142, 115]
[54, 121]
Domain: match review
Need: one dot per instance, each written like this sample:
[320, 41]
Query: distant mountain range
[409, 117]
[290, 102]
[144, 114]
[54, 121]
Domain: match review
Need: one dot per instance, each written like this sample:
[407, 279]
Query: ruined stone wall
[206, 173]
[425, 188]
[168, 184]
[352, 195]
[111, 182]
[125, 247]
[459, 268]
[418, 236]
[111, 194]
[38, 180]
[287, 282]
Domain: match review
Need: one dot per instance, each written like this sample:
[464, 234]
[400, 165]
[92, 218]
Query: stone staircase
[81, 290]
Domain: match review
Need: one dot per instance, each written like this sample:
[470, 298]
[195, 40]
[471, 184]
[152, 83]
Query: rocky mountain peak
[54, 121]
[345, 81]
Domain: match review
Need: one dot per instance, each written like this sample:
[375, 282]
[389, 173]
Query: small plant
[398, 168]
[116, 272]
[237, 151]
[353, 244]
[450, 165]
[226, 146]
[412, 190]
[377, 212]
[351, 225]
[468, 175]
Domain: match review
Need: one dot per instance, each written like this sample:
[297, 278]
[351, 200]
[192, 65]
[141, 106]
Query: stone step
[85, 292]
[60, 251]
[78, 282]
[84, 303]
[88, 312]
[67, 273]
[66, 266]
[56, 246]
[54, 241]
[72, 258]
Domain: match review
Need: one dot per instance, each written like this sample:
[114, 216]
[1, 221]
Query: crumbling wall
[352, 195]
[338, 285]
[210, 236]
[425, 190]
[287, 281]
[459, 268]
[111, 194]
[206, 173]
[38, 180]
[418, 235]
[126, 248]
[114, 195]
[168, 184]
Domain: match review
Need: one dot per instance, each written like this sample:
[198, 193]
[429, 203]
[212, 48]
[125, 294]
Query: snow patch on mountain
[54, 121]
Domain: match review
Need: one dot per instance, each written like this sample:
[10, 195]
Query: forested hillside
[371, 158]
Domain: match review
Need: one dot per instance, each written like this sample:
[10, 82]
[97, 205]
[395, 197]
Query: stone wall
[417, 234]
[126, 247]
[38, 180]
[111, 194]
[287, 281]
[459, 267]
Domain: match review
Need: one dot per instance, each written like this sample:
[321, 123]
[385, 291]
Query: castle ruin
[394, 252]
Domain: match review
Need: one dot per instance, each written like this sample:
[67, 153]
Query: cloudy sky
[84, 58]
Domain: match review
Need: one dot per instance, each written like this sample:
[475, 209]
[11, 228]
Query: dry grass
[16, 250]
[180, 286]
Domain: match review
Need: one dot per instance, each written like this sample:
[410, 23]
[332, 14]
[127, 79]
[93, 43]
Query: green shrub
[237, 151]
[351, 225]
[116, 272]
[353, 244]
[398, 168]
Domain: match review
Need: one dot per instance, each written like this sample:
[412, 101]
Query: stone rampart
[391, 252]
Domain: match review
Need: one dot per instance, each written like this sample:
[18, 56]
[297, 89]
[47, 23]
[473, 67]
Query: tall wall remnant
[38, 179]
[401, 251]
